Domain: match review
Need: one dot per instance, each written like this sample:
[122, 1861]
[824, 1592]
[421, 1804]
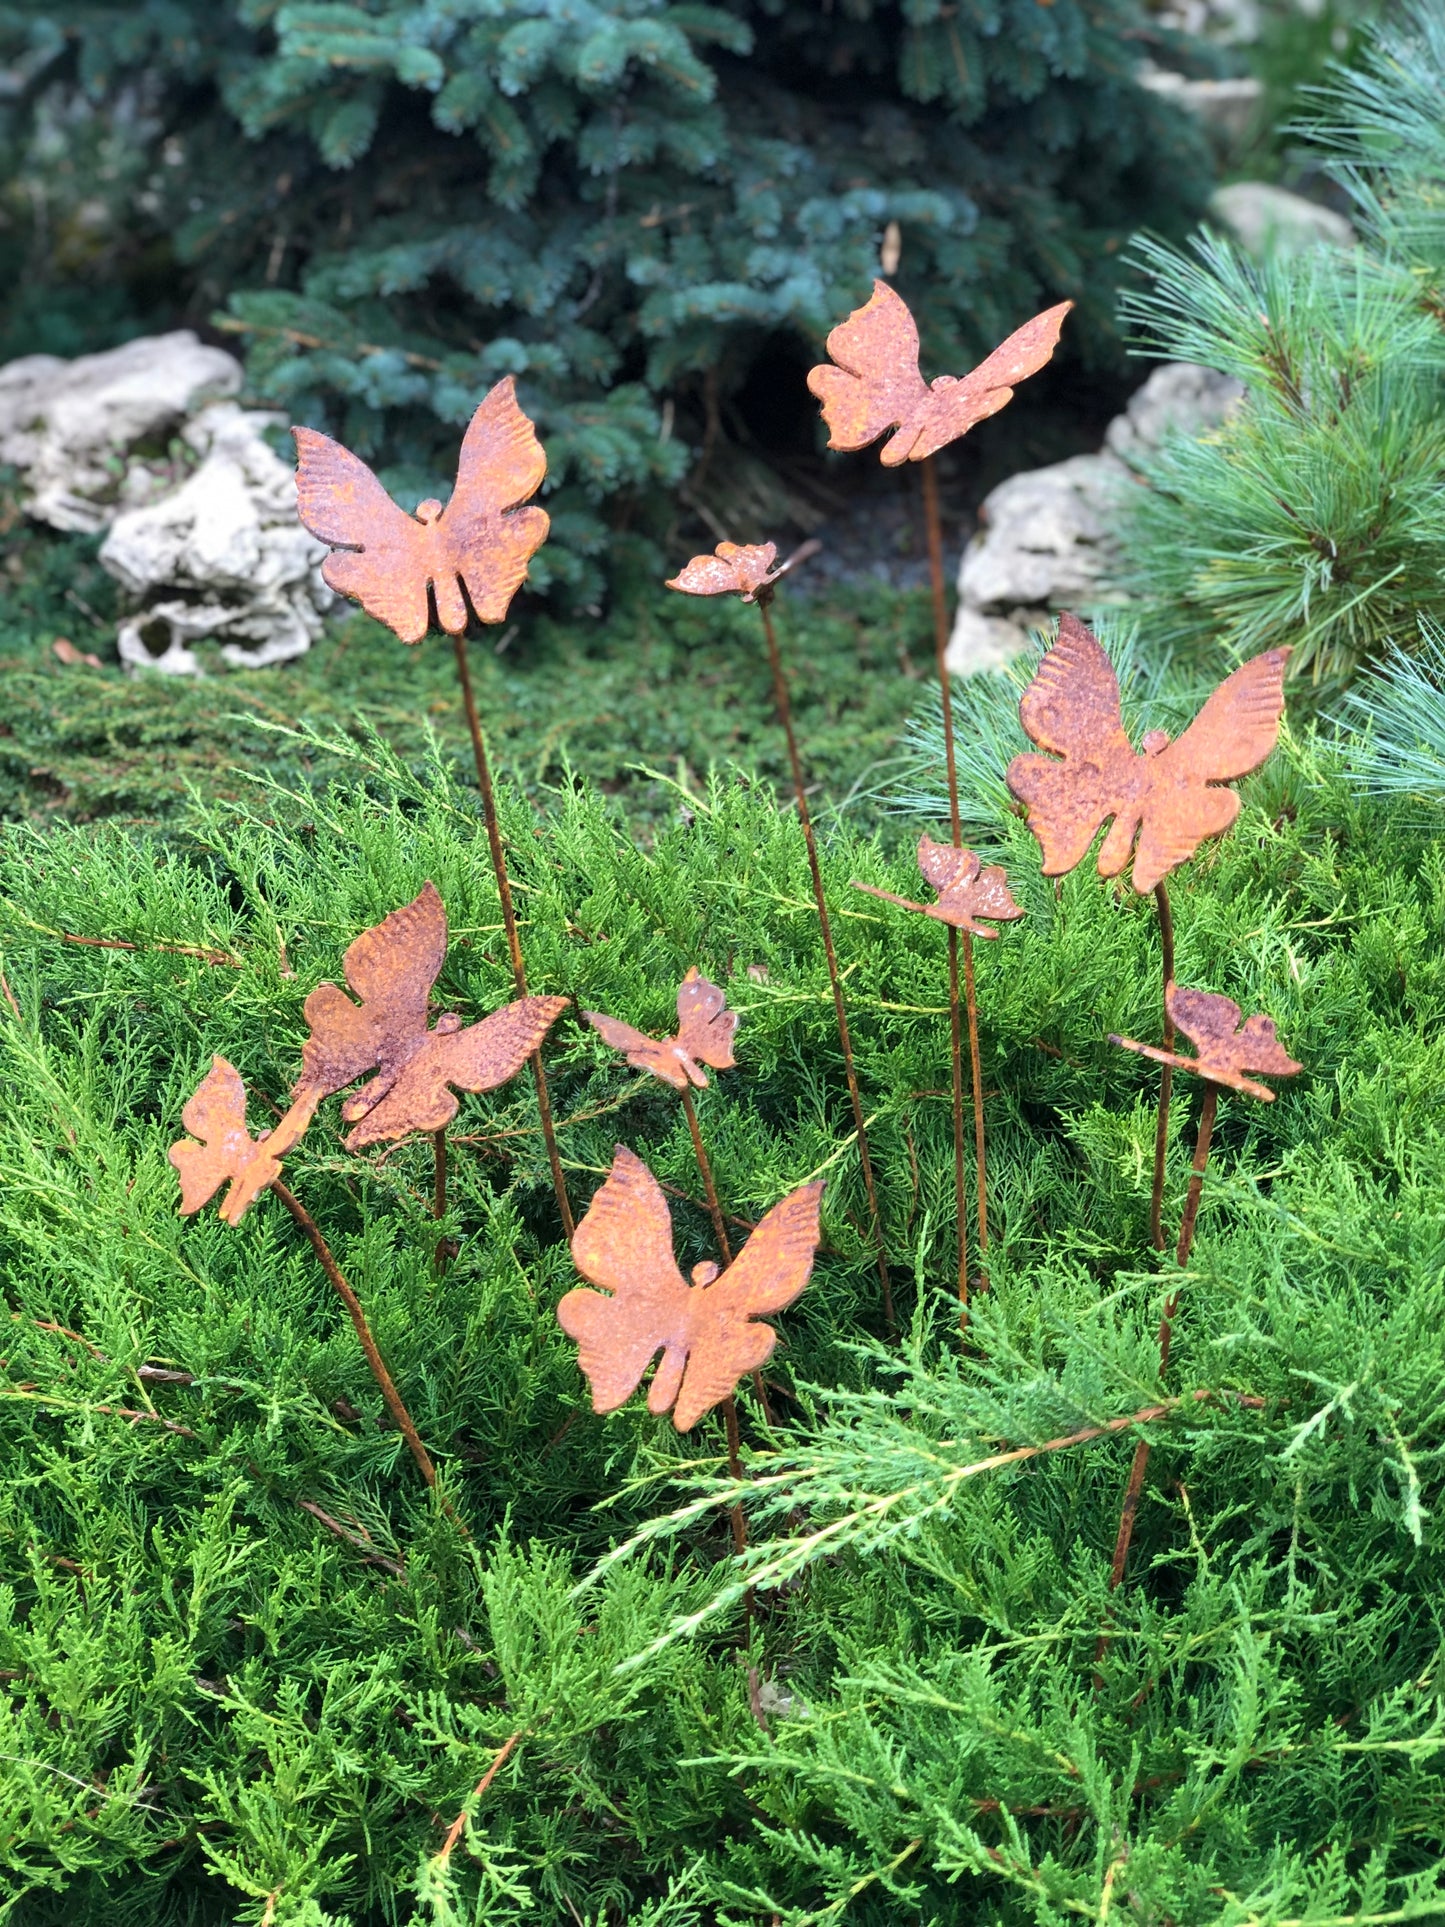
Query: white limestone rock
[1269, 220]
[221, 556]
[91, 436]
[1226, 108]
[1043, 539]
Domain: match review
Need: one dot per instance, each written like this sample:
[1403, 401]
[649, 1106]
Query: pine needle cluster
[1314, 516]
[254, 1674]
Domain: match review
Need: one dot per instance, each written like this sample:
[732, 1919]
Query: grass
[668, 685]
[254, 1675]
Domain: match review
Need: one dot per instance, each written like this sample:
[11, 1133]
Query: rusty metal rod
[1166, 1072]
[704, 1170]
[960, 1179]
[785, 717]
[394, 1402]
[971, 1005]
[933, 527]
[719, 1224]
[1134, 1490]
[509, 920]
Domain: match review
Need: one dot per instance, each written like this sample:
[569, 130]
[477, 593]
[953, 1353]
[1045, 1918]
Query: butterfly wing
[644, 1053]
[219, 1143]
[624, 1244]
[875, 384]
[705, 1025]
[1226, 1047]
[1260, 1049]
[487, 538]
[769, 1272]
[1232, 734]
[381, 556]
[732, 568]
[946, 868]
[391, 967]
[1071, 708]
[956, 406]
[478, 1057]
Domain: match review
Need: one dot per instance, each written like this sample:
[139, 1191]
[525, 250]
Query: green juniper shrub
[1314, 516]
[633, 206]
[253, 1674]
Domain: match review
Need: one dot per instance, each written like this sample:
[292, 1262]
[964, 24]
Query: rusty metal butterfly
[966, 891]
[707, 1331]
[874, 382]
[733, 568]
[221, 1150]
[386, 559]
[1169, 797]
[1227, 1046]
[391, 968]
[705, 1031]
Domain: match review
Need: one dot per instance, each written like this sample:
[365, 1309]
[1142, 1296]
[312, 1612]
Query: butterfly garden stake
[707, 1332]
[475, 550]
[1227, 1048]
[969, 899]
[705, 1029]
[873, 384]
[1169, 796]
[220, 1150]
[751, 571]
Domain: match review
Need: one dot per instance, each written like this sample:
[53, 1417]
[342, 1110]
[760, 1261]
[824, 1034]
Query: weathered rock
[1227, 108]
[94, 435]
[221, 556]
[1179, 397]
[1043, 541]
[1268, 220]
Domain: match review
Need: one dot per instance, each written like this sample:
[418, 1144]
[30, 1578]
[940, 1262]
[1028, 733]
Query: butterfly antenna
[509, 920]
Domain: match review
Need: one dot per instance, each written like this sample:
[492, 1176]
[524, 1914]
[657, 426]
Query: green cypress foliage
[620, 201]
[1315, 516]
[252, 1675]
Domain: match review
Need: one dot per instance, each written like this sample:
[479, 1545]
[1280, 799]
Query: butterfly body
[706, 1332]
[480, 543]
[705, 1030]
[874, 382]
[391, 969]
[1227, 1046]
[1162, 803]
[220, 1150]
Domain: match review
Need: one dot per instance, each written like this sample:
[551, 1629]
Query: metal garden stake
[1169, 795]
[871, 385]
[474, 551]
[750, 572]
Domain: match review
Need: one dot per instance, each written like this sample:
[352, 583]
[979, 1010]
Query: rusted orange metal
[1228, 1043]
[733, 568]
[966, 891]
[483, 539]
[707, 1331]
[1169, 797]
[221, 1150]
[705, 1031]
[391, 968]
[874, 383]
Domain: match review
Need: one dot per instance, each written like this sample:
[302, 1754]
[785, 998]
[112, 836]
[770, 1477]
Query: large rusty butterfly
[386, 559]
[876, 383]
[706, 1331]
[1169, 796]
[223, 1149]
[1227, 1046]
[705, 1029]
[391, 968]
